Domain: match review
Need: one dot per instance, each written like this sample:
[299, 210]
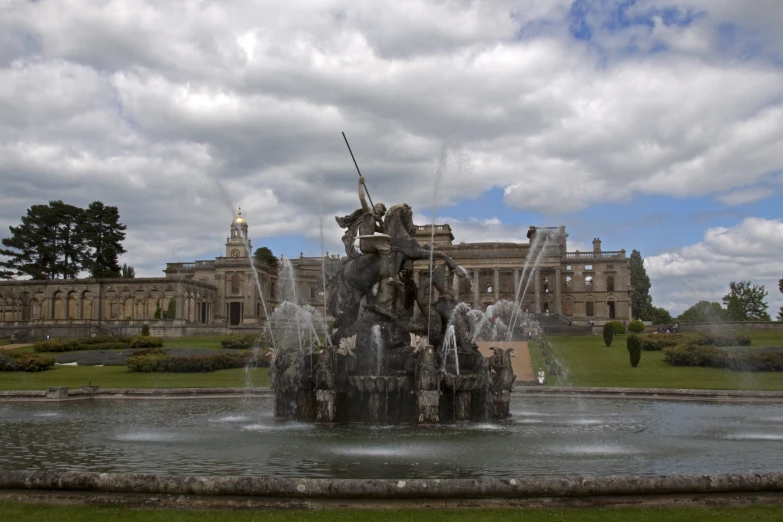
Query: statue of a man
[362, 222]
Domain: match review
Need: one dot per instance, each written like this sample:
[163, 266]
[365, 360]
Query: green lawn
[590, 363]
[3, 342]
[44, 513]
[120, 377]
[200, 341]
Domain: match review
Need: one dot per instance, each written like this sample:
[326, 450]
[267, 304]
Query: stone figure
[365, 221]
[500, 365]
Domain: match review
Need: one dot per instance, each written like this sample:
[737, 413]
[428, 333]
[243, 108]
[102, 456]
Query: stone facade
[583, 286]
[105, 300]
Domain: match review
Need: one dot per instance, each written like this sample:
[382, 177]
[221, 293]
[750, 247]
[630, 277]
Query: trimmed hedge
[24, 362]
[156, 362]
[618, 328]
[636, 326]
[100, 342]
[739, 359]
[657, 342]
[239, 342]
[145, 341]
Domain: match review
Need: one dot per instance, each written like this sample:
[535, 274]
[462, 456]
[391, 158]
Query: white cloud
[744, 196]
[750, 250]
[146, 104]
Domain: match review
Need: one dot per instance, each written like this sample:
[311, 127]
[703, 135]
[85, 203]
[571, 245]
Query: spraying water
[377, 341]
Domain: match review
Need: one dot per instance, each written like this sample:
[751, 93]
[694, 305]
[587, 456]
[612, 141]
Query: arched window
[313, 291]
[589, 284]
[235, 284]
[610, 284]
[488, 288]
[568, 283]
[546, 284]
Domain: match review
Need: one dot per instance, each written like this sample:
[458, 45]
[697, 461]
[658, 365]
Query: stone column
[516, 282]
[558, 292]
[537, 285]
[180, 308]
[81, 306]
[496, 284]
[476, 288]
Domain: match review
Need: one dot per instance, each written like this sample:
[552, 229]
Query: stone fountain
[398, 352]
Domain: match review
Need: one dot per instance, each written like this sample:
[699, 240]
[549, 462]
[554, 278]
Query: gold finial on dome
[239, 220]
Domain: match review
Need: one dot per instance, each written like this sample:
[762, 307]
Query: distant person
[668, 331]
[625, 323]
[541, 376]
[569, 322]
[530, 336]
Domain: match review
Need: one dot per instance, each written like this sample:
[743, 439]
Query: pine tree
[641, 302]
[103, 235]
[68, 242]
[32, 246]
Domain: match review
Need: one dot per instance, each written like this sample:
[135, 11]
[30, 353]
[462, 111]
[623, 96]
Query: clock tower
[236, 245]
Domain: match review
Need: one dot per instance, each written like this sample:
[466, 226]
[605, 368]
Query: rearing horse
[357, 277]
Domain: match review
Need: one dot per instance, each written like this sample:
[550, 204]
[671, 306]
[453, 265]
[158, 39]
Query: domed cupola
[236, 246]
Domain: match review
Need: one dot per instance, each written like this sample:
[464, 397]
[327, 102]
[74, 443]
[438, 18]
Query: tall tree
[745, 302]
[265, 255]
[32, 247]
[641, 302]
[103, 235]
[659, 315]
[67, 239]
[703, 312]
[127, 272]
[780, 287]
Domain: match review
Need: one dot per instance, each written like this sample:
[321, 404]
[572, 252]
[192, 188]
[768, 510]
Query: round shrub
[608, 334]
[657, 342]
[636, 326]
[145, 330]
[617, 327]
[634, 346]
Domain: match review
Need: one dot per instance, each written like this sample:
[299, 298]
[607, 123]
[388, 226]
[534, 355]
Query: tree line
[744, 301]
[61, 241]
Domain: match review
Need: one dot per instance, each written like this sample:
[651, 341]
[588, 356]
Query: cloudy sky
[652, 124]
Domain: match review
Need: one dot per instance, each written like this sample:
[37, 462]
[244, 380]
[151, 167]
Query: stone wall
[392, 489]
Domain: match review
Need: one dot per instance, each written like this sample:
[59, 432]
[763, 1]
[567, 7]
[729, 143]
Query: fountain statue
[398, 351]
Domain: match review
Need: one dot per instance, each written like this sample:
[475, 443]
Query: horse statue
[357, 278]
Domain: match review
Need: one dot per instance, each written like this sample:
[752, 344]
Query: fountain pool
[544, 437]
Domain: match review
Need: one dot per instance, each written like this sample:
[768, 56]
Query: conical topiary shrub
[608, 334]
[634, 344]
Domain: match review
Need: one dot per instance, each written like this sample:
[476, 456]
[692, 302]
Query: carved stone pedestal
[462, 406]
[500, 404]
[326, 405]
[429, 406]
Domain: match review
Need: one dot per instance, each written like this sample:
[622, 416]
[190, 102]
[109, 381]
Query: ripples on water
[545, 437]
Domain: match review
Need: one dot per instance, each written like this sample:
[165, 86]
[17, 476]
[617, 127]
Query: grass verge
[590, 362]
[45, 513]
[120, 377]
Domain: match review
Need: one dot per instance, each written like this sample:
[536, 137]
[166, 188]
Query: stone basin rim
[554, 487]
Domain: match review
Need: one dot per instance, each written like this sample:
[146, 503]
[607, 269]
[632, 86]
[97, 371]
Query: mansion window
[235, 284]
[546, 284]
[568, 283]
[588, 267]
[588, 284]
[313, 291]
[610, 284]
[589, 309]
[488, 288]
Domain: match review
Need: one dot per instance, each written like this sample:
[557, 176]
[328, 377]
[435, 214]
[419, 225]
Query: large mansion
[583, 286]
